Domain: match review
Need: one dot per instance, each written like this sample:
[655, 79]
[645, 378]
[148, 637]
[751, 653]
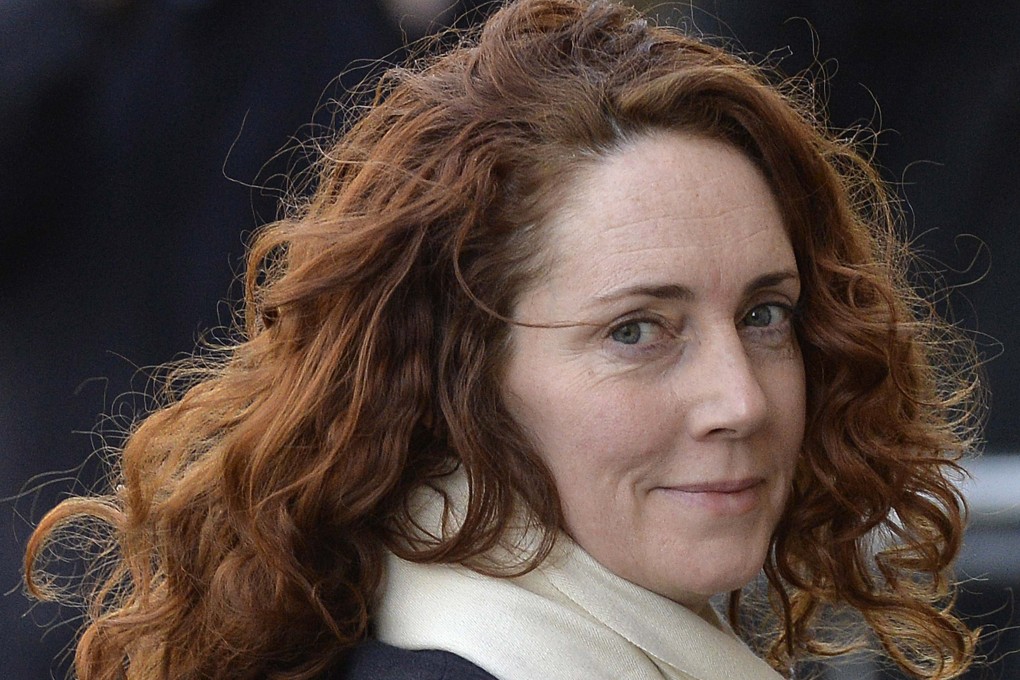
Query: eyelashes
[643, 334]
[633, 332]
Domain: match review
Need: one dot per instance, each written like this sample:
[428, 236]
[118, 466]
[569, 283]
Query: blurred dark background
[132, 133]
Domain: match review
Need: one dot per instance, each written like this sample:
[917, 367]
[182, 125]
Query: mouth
[724, 497]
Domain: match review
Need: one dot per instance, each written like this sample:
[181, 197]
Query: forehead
[681, 174]
[662, 203]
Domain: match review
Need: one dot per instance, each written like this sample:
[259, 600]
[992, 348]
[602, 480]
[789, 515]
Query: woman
[585, 322]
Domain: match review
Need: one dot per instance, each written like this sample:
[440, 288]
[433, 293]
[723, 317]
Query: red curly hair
[250, 515]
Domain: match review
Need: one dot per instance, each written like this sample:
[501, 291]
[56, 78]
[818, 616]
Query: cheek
[590, 433]
[559, 403]
[789, 402]
[597, 442]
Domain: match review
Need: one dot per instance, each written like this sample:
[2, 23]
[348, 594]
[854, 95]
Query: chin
[717, 577]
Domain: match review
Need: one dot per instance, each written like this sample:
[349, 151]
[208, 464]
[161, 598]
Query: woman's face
[669, 405]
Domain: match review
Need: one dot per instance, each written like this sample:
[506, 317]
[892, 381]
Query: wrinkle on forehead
[664, 199]
[693, 172]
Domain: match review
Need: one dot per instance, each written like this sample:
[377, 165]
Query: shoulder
[374, 660]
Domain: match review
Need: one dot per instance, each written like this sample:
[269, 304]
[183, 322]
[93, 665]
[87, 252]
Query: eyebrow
[674, 291]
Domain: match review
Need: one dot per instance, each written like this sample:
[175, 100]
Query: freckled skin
[670, 406]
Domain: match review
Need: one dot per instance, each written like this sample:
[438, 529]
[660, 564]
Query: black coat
[374, 660]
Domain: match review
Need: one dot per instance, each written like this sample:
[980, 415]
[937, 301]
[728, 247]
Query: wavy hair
[250, 514]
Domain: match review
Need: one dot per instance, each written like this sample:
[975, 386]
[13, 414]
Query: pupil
[628, 334]
[761, 316]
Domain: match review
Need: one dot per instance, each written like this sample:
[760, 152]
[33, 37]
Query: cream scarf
[570, 619]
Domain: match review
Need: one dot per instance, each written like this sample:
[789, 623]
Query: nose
[723, 391]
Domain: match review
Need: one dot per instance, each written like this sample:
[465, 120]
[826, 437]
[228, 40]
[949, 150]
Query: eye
[764, 316]
[633, 332]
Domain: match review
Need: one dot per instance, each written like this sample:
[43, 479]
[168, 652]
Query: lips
[735, 486]
[722, 497]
